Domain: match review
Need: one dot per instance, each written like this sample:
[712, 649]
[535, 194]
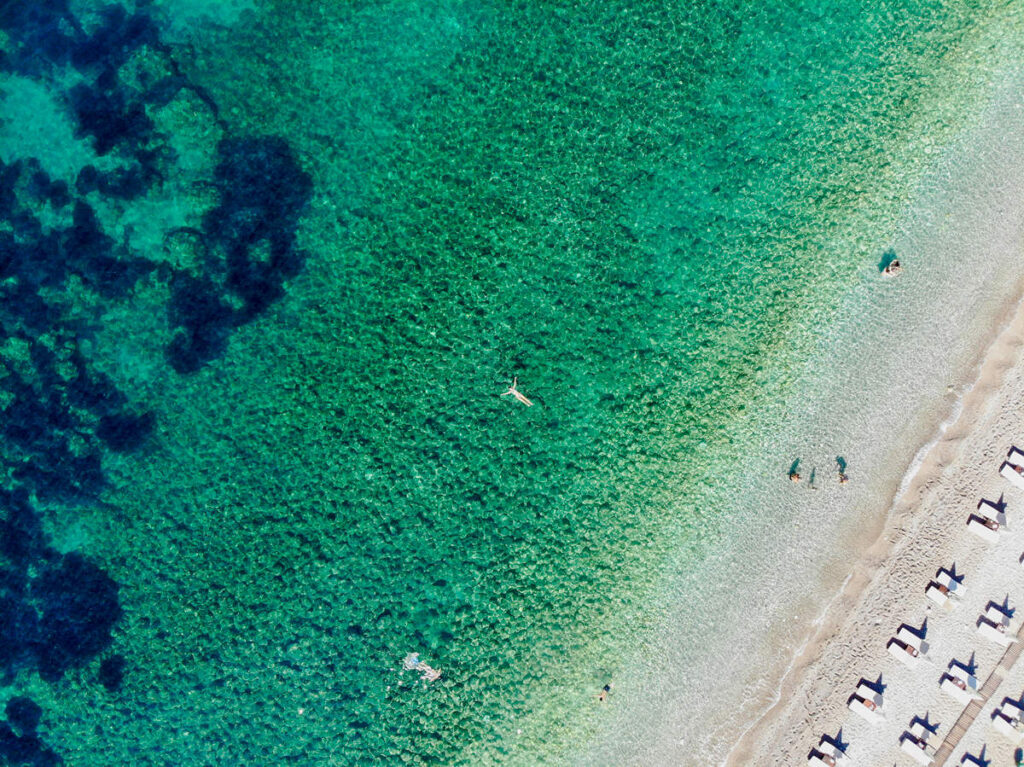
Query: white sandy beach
[926, 531]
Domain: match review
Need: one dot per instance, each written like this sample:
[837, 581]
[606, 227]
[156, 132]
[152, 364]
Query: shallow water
[260, 347]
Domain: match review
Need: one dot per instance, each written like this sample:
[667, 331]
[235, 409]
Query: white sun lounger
[991, 509]
[827, 755]
[828, 748]
[869, 693]
[908, 637]
[1008, 725]
[983, 527]
[995, 631]
[916, 748]
[957, 689]
[996, 615]
[939, 594]
[866, 709]
[988, 509]
[959, 672]
[919, 731]
[904, 653]
[817, 759]
[1013, 467]
[945, 578]
[1013, 709]
[1013, 473]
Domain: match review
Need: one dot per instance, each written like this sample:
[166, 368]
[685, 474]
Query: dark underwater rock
[112, 672]
[125, 432]
[119, 35]
[79, 607]
[24, 713]
[109, 118]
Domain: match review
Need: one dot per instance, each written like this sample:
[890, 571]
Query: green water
[631, 207]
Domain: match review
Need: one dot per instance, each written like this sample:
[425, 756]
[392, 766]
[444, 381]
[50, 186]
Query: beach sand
[925, 530]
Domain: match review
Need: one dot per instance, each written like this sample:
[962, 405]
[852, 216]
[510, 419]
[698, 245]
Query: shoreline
[874, 390]
[988, 390]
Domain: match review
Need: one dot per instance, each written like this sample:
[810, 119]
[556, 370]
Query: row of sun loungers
[958, 680]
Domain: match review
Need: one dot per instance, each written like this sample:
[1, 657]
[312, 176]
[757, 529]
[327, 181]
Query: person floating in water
[603, 695]
[412, 662]
[892, 268]
[516, 393]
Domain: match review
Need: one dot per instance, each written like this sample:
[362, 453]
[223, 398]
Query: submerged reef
[262, 193]
[56, 611]
[66, 259]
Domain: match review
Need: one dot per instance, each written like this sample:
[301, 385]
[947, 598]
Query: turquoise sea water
[255, 451]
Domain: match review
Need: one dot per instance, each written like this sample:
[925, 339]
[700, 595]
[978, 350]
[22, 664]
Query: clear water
[269, 402]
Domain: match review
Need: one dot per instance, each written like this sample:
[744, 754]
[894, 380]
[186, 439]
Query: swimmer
[603, 695]
[516, 393]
